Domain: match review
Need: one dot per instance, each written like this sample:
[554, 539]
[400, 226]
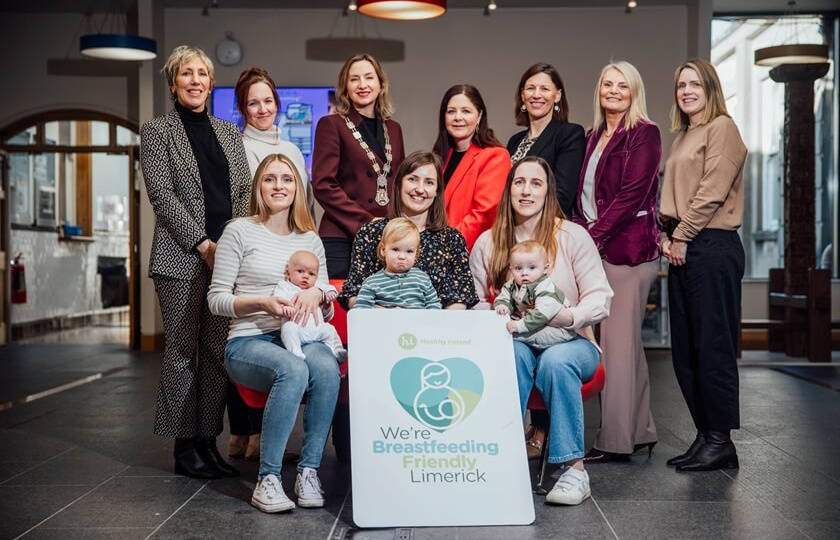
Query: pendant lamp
[118, 47]
[795, 53]
[402, 10]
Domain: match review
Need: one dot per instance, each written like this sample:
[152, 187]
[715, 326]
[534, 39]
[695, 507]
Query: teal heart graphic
[440, 395]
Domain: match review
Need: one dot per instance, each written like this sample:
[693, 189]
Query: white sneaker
[308, 489]
[269, 496]
[572, 488]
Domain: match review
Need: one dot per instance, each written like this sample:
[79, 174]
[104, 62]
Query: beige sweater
[704, 179]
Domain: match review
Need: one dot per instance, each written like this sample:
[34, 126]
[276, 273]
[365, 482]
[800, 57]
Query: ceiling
[101, 6]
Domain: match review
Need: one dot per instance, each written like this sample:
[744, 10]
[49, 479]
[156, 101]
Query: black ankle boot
[695, 446]
[209, 452]
[717, 452]
[189, 462]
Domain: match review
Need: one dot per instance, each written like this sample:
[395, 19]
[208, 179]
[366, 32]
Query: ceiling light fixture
[490, 8]
[631, 5]
[402, 10]
[792, 53]
[118, 47]
[795, 53]
[115, 45]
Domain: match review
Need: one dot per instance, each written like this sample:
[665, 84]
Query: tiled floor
[82, 463]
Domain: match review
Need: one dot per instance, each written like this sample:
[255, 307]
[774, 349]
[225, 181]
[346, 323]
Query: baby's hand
[502, 310]
[276, 306]
[330, 296]
[511, 327]
[289, 311]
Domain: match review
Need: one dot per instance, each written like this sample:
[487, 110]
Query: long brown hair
[502, 232]
[715, 102]
[383, 109]
[300, 220]
[436, 217]
[247, 79]
[483, 134]
[561, 114]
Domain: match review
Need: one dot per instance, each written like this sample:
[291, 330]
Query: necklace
[608, 135]
[381, 173]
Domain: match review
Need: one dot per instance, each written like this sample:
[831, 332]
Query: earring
[522, 108]
[556, 108]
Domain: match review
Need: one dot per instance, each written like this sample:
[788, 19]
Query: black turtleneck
[212, 169]
[373, 134]
[454, 160]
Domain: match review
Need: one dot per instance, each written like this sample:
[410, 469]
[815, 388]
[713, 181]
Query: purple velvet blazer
[626, 184]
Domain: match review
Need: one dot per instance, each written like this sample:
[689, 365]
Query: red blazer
[473, 193]
[343, 180]
[626, 183]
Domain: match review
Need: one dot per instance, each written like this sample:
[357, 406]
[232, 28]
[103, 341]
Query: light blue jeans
[558, 372]
[261, 363]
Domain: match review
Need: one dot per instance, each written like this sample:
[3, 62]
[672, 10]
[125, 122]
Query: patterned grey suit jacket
[170, 172]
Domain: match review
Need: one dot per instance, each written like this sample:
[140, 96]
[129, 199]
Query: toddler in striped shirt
[399, 284]
[531, 298]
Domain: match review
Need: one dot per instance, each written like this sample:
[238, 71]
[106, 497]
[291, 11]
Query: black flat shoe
[600, 456]
[189, 462]
[209, 452]
[717, 452]
[695, 446]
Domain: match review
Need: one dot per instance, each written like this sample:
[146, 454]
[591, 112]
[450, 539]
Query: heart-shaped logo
[440, 395]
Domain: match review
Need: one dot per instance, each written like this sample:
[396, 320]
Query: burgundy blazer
[626, 183]
[343, 180]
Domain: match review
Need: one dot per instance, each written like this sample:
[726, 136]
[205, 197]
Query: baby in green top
[531, 298]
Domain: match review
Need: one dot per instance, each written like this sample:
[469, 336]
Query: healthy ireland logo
[439, 395]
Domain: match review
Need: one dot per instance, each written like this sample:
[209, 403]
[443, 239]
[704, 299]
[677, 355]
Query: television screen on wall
[300, 110]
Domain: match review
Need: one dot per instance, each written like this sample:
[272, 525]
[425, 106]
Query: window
[756, 103]
[72, 171]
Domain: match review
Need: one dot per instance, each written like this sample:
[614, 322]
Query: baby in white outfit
[301, 274]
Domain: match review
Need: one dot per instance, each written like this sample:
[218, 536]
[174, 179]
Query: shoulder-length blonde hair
[436, 216]
[715, 102]
[502, 232]
[383, 109]
[181, 55]
[300, 220]
[638, 104]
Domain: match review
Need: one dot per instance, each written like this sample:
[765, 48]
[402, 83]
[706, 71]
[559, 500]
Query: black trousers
[244, 420]
[705, 310]
[337, 251]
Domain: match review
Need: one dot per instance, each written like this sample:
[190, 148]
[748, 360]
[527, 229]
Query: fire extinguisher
[18, 275]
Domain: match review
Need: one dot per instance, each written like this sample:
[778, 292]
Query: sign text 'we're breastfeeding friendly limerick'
[435, 422]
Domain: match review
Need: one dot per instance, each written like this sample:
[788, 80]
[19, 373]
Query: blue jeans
[261, 363]
[559, 372]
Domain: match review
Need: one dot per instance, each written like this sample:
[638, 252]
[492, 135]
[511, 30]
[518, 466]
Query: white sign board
[434, 418]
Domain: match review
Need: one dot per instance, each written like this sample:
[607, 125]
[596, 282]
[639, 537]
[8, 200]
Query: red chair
[257, 400]
[589, 389]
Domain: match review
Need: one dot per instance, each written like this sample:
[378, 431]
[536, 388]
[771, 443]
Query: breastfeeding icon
[437, 405]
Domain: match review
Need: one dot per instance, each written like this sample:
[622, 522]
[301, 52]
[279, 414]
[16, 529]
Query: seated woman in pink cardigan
[529, 211]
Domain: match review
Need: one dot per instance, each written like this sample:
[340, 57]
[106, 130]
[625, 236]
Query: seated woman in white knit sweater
[250, 259]
[531, 298]
[301, 274]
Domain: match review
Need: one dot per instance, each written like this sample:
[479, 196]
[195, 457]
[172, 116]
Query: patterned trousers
[191, 395]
